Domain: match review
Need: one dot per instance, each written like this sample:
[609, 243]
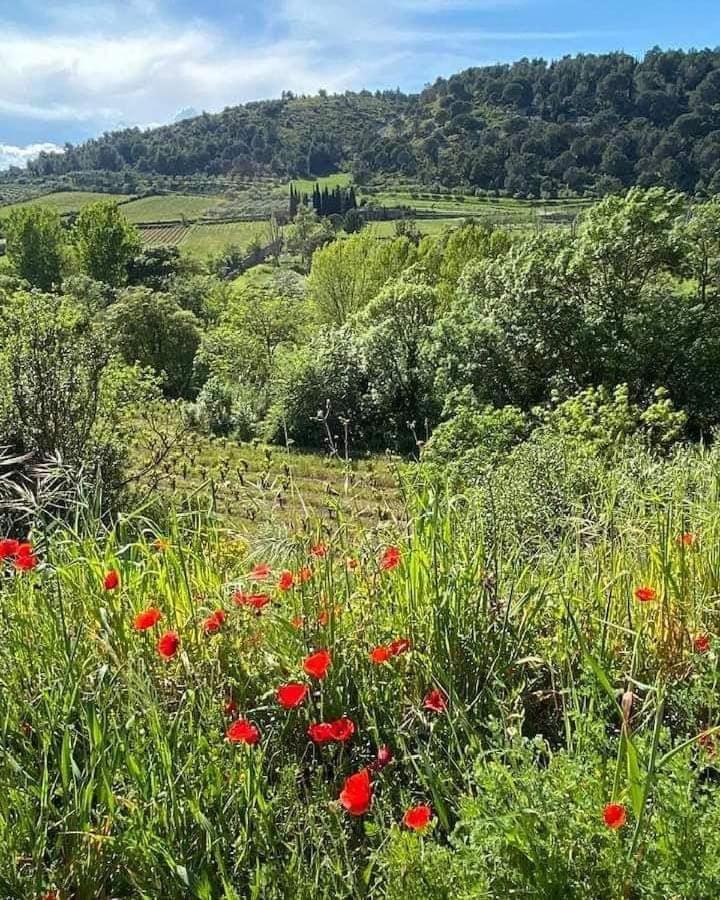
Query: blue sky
[70, 70]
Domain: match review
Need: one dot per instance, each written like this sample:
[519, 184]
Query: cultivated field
[163, 235]
[169, 207]
[205, 240]
[64, 201]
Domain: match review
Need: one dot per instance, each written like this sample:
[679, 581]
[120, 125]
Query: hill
[579, 125]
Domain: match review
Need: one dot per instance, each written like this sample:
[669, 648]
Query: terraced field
[64, 201]
[169, 207]
[163, 235]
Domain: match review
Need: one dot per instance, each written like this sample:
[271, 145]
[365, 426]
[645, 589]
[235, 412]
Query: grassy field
[205, 240]
[169, 207]
[64, 201]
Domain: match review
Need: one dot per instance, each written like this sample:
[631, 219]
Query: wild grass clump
[550, 693]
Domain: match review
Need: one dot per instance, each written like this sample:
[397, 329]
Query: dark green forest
[588, 124]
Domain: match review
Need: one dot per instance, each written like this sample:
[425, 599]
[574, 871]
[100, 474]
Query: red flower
[435, 701]
[213, 623]
[25, 559]
[701, 644]
[417, 817]
[230, 708]
[8, 548]
[286, 581]
[111, 580]
[352, 564]
[390, 559]
[318, 551]
[168, 644]
[686, 539]
[260, 572]
[318, 663]
[290, 696]
[356, 794]
[323, 618]
[243, 732]
[256, 601]
[380, 655]
[384, 757]
[320, 732]
[614, 815]
[147, 619]
[645, 594]
[304, 575]
[297, 622]
[399, 646]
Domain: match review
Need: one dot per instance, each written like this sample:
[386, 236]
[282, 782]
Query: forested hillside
[580, 125]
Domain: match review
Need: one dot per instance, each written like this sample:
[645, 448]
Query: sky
[72, 70]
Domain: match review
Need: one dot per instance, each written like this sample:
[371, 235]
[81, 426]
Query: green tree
[36, 246]
[106, 242]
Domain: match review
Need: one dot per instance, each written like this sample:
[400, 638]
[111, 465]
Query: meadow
[169, 207]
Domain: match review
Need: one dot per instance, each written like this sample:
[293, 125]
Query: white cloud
[18, 156]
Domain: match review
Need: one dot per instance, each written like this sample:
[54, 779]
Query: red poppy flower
[320, 732]
[380, 655]
[645, 594]
[417, 817]
[230, 708]
[318, 663]
[701, 643]
[297, 622]
[25, 559]
[213, 623]
[255, 601]
[384, 757]
[290, 696]
[614, 815]
[243, 732]
[304, 575]
[111, 580]
[390, 559]
[356, 795]
[260, 572]
[319, 551]
[435, 701]
[352, 564]
[147, 619]
[342, 729]
[399, 646]
[286, 580]
[687, 539]
[323, 618]
[168, 644]
[8, 548]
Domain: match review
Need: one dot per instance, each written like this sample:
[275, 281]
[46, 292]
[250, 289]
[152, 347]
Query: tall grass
[117, 777]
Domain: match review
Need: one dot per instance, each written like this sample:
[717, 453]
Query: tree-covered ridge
[583, 124]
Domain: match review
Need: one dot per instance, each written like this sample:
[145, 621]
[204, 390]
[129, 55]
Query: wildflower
[168, 644]
[701, 643]
[255, 601]
[356, 795]
[383, 758]
[352, 564]
[8, 548]
[390, 559]
[341, 730]
[243, 732]
[320, 732]
[417, 817]
[214, 622]
[686, 539]
[291, 695]
[435, 701]
[111, 580]
[25, 558]
[614, 815]
[399, 646]
[304, 575]
[318, 663]
[161, 545]
[297, 621]
[323, 618]
[707, 741]
[230, 708]
[319, 551]
[260, 572]
[147, 619]
[380, 655]
[645, 594]
[286, 580]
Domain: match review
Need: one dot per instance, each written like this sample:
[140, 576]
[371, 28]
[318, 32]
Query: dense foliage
[590, 123]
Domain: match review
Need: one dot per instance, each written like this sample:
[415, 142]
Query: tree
[306, 234]
[153, 331]
[106, 242]
[36, 246]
